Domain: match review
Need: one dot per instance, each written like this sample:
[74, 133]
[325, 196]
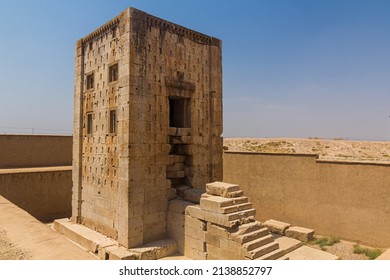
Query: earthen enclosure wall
[349, 200]
[45, 193]
[17, 151]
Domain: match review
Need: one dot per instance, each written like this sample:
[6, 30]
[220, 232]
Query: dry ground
[9, 251]
[378, 151]
[343, 249]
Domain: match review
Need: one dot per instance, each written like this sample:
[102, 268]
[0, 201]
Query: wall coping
[316, 156]
[35, 170]
[271, 154]
[34, 135]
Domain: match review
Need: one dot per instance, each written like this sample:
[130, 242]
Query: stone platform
[108, 249]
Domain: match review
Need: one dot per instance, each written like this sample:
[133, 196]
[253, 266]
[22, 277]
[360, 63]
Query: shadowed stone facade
[147, 121]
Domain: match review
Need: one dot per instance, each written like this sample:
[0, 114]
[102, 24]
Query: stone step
[287, 244]
[274, 255]
[246, 228]
[235, 208]
[241, 214]
[300, 233]
[277, 227]
[258, 242]
[263, 250]
[215, 203]
[248, 237]
[283, 258]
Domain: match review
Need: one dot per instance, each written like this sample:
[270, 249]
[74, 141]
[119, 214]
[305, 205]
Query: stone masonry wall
[163, 84]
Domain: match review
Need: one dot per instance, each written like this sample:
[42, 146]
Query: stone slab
[87, 238]
[300, 233]
[277, 226]
[156, 249]
[106, 248]
[117, 253]
[222, 205]
[221, 188]
[288, 244]
[175, 257]
[308, 253]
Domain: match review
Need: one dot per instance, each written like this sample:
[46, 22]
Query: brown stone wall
[35, 150]
[168, 102]
[343, 199]
[169, 62]
[100, 153]
[45, 193]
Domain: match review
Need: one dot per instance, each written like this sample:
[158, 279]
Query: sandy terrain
[9, 251]
[326, 149]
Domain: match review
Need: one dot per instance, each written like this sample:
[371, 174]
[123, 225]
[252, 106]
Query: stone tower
[147, 120]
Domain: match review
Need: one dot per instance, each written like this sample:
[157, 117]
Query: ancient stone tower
[147, 120]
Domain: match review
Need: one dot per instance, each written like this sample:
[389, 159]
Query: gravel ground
[9, 251]
[344, 250]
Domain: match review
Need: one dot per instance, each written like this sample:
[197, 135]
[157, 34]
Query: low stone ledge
[300, 233]
[277, 226]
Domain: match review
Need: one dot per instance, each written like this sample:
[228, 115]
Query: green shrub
[372, 254]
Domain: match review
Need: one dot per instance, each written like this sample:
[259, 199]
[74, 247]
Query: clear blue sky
[291, 68]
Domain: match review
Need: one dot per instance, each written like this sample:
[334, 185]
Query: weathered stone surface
[140, 128]
[277, 226]
[192, 195]
[194, 243]
[195, 233]
[288, 244]
[300, 233]
[118, 253]
[156, 249]
[308, 253]
[175, 229]
[195, 223]
[212, 239]
[171, 193]
[194, 211]
[231, 232]
[217, 230]
[221, 188]
[178, 206]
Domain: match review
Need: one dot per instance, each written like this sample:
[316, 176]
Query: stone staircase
[223, 226]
